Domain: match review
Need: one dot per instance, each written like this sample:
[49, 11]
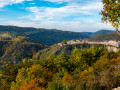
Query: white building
[111, 42]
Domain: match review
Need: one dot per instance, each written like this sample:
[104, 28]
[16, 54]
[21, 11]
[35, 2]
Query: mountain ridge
[44, 36]
[99, 32]
[108, 36]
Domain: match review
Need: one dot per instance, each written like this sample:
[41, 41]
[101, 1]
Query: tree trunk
[118, 31]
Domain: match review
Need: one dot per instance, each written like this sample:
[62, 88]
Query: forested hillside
[18, 49]
[85, 69]
[59, 50]
[101, 32]
[46, 36]
[109, 36]
[25, 64]
[50, 59]
[43, 36]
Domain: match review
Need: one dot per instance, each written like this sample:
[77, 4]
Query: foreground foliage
[85, 69]
[111, 13]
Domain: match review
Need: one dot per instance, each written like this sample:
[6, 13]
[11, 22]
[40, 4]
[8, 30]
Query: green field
[5, 35]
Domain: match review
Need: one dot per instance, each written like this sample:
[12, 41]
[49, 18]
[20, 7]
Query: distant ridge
[101, 32]
[88, 33]
[44, 36]
[109, 36]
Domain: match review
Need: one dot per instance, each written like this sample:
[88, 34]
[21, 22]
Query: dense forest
[40, 35]
[59, 50]
[26, 64]
[46, 36]
[18, 48]
[92, 68]
[41, 59]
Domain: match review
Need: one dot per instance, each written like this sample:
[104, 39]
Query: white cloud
[93, 6]
[49, 17]
[49, 13]
[32, 3]
[1, 19]
[10, 2]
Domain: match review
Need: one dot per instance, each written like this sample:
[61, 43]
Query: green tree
[36, 72]
[111, 13]
[64, 42]
[7, 75]
[74, 40]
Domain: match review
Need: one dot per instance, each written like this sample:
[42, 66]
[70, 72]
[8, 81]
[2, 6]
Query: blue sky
[70, 15]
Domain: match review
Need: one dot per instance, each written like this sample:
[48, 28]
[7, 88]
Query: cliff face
[112, 48]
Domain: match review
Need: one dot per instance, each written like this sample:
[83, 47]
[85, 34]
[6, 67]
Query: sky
[68, 15]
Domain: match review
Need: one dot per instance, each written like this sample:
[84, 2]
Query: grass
[5, 35]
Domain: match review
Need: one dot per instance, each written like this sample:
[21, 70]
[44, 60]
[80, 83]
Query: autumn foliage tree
[111, 13]
[85, 69]
[33, 85]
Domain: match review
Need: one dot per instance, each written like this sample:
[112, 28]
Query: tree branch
[118, 32]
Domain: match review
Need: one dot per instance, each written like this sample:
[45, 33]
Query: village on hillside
[114, 44]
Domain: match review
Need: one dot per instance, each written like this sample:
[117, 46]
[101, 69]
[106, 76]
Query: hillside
[18, 49]
[101, 32]
[44, 36]
[86, 69]
[59, 50]
[109, 36]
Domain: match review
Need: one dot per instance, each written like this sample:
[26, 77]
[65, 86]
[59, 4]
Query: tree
[111, 13]
[27, 76]
[33, 85]
[74, 40]
[64, 42]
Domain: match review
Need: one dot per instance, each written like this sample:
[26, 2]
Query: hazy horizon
[57, 29]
